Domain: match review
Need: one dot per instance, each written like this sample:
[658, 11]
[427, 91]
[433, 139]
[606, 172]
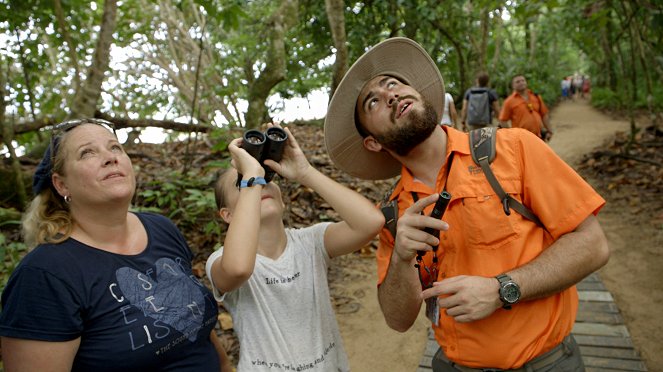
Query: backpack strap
[540, 111]
[540, 104]
[389, 208]
[482, 147]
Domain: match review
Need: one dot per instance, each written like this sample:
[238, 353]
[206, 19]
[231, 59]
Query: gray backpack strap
[482, 147]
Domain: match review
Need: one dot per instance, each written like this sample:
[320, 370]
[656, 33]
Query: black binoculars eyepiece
[265, 145]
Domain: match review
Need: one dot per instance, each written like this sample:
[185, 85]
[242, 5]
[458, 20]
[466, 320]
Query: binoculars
[265, 145]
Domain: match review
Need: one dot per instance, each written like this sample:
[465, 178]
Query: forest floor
[632, 221]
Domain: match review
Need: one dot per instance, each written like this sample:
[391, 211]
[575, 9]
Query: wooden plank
[618, 364]
[597, 329]
[609, 352]
[585, 340]
[599, 317]
[426, 362]
[606, 307]
[431, 348]
[590, 286]
[593, 277]
[595, 296]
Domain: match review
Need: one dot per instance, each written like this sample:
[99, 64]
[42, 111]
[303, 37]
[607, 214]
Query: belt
[539, 362]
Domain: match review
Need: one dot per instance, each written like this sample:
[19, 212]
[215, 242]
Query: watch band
[252, 181]
[506, 283]
[503, 278]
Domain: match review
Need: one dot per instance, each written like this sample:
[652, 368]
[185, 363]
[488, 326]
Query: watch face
[511, 292]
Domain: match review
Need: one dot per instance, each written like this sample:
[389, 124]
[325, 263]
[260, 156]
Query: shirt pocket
[484, 223]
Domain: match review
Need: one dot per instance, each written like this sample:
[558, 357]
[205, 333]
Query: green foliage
[656, 99]
[543, 39]
[604, 98]
[10, 255]
[187, 200]
[221, 137]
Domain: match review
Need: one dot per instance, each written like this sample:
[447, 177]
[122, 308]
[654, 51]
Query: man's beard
[402, 139]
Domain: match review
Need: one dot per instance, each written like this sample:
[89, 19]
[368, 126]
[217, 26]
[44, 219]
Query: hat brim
[399, 57]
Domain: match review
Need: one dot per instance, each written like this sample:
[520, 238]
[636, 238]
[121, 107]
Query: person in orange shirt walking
[525, 109]
[499, 289]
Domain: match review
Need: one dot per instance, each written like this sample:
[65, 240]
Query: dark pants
[570, 360]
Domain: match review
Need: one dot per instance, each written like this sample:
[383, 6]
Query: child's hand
[293, 164]
[243, 161]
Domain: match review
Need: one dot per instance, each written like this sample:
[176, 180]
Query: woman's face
[96, 169]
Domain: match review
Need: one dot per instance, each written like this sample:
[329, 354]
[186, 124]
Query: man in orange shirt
[525, 109]
[499, 289]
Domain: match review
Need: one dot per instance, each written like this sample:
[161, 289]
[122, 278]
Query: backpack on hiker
[482, 148]
[478, 107]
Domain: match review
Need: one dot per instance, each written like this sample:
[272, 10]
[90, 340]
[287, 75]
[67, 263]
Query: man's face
[519, 83]
[395, 114]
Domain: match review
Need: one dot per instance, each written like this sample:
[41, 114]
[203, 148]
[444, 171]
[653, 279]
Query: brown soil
[634, 274]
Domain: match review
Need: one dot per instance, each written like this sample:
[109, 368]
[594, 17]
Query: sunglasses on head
[65, 126]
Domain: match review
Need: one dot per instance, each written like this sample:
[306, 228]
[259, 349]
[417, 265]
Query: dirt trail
[631, 274]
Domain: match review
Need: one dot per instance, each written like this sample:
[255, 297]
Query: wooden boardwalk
[604, 340]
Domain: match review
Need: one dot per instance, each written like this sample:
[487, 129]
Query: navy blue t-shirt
[133, 313]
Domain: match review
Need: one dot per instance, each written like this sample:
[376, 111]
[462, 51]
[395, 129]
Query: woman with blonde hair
[104, 288]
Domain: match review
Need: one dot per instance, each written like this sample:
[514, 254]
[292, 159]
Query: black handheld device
[265, 145]
[438, 211]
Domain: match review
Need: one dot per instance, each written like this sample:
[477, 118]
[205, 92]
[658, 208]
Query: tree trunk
[85, 102]
[462, 68]
[66, 36]
[275, 65]
[8, 137]
[483, 46]
[606, 45]
[532, 42]
[336, 18]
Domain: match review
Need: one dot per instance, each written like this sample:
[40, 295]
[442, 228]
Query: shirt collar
[457, 141]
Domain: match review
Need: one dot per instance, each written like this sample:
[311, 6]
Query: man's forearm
[400, 294]
[570, 259]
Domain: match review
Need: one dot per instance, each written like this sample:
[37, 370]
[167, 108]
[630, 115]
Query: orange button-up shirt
[524, 114]
[483, 241]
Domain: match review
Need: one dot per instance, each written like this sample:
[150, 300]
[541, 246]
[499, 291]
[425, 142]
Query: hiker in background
[586, 87]
[499, 289]
[566, 87]
[105, 289]
[449, 116]
[479, 104]
[525, 109]
[273, 280]
[577, 84]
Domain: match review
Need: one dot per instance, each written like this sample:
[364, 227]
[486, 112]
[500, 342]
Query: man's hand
[466, 298]
[293, 165]
[410, 237]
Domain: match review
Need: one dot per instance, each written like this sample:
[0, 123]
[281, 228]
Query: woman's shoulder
[152, 217]
[53, 258]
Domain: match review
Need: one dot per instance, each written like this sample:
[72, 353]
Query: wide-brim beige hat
[399, 57]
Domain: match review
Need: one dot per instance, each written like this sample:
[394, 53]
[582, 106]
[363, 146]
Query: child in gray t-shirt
[273, 280]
